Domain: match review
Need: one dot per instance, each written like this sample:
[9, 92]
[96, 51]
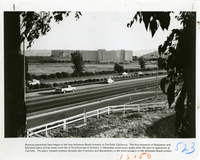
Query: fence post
[46, 131]
[64, 125]
[108, 110]
[27, 134]
[124, 110]
[138, 108]
[98, 114]
[85, 117]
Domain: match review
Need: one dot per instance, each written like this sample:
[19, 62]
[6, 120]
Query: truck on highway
[65, 89]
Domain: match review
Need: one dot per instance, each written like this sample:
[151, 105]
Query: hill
[151, 55]
[142, 52]
[38, 53]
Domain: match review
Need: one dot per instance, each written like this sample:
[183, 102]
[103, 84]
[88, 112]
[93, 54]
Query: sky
[101, 30]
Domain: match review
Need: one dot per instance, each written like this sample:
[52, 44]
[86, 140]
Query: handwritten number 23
[185, 147]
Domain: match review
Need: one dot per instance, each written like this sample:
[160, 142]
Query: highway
[47, 106]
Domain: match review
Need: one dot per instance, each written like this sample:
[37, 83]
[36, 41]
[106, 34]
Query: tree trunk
[15, 108]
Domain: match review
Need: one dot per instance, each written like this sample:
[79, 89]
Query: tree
[180, 47]
[162, 63]
[77, 60]
[142, 62]
[36, 24]
[118, 68]
[32, 25]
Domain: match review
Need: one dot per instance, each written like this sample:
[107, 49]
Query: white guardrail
[65, 123]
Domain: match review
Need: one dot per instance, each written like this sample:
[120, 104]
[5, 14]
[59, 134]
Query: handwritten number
[148, 156]
[192, 148]
[127, 156]
[177, 146]
[140, 157]
[185, 149]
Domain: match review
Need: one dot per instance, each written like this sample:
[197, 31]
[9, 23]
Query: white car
[140, 73]
[33, 82]
[123, 74]
[109, 81]
[65, 89]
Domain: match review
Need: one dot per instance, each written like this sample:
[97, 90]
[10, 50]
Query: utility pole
[156, 77]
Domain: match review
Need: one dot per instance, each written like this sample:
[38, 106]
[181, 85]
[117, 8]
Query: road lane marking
[49, 112]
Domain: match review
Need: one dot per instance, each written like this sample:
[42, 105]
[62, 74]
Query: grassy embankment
[50, 68]
[149, 124]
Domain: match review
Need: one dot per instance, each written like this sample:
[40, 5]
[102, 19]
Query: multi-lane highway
[48, 102]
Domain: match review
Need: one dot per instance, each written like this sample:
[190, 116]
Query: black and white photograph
[74, 81]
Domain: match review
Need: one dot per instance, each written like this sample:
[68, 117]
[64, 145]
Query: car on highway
[33, 82]
[65, 89]
[123, 74]
[140, 73]
[109, 80]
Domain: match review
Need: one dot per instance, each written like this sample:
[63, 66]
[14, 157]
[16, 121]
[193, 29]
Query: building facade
[100, 55]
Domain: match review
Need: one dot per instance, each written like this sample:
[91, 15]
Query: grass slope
[149, 124]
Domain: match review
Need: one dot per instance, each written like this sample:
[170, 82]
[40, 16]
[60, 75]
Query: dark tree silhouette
[162, 63]
[15, 109]
[141, 62]
[32, 26]
[77, 60]
[118, 68]
[180, 47]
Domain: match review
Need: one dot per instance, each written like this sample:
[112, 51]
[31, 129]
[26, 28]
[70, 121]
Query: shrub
[65, 74]
[52, 76]
[42, 85]
[35, 76]
[127, 70]
[37, 86]
[62, 84]
[118, 68]
[56, 84]
[75, 74]
[30, 86]
[98, 80]
[80, 81]
[59, 75]
[71, 82]
[92, 73]
[66, 83]
[27, 88]
[90, 80]
[44, 76]
[49, 85]
[28, 76]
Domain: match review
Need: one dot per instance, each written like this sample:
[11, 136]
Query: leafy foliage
[152, 20]
[180, 64]
[118, 68]
[163, 84]
[142, 62]
[162, 63]
[78, 62]
[35, 24]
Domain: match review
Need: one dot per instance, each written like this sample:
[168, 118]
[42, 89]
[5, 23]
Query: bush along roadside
[43, 86]
[68, 75]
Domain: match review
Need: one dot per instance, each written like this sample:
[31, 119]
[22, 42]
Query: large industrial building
[100, 55]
